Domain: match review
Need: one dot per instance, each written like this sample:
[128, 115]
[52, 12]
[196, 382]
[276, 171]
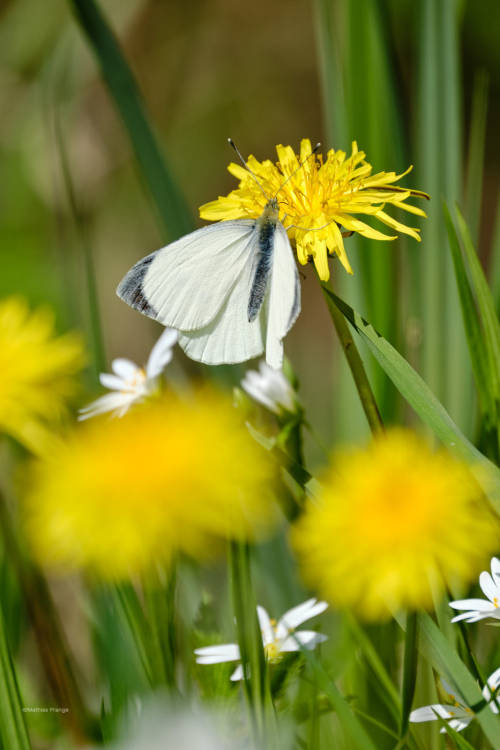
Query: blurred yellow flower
[319, 200]
[37, 373]
[170, 476]
[393, 524]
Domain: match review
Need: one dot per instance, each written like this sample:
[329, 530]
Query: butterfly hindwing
[283, 301]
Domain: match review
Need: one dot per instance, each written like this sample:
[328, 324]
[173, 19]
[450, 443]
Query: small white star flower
[270, 388]
[457, 713]
[128, 383]
[277, 637]
[480, 609]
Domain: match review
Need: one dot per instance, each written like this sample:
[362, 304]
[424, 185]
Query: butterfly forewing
[185, 284]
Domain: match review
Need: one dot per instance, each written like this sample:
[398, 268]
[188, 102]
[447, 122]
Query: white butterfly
[231, 289]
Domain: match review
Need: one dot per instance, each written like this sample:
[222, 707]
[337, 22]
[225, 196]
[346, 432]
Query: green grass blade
[370, 88]
[486, 306]
[94, 316]
[438, 163]
[372, 657]
[458, 741]
[428, 173]
[418, 394]
[475, 157]
[495, 261]
[351, 725]
[445, 659]
[332, 89]
[409, 671]
[123, 88]
[471, 319]
[13, 732]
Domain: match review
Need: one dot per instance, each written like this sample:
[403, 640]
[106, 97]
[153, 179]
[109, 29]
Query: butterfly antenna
[314, 151]
[233, 144]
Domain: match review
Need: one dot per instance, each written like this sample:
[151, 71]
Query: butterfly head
[271, 211]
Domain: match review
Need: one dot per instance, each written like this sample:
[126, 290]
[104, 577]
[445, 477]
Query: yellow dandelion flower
[321, 199]
[170, 476]
[37, 373]
[394, 523]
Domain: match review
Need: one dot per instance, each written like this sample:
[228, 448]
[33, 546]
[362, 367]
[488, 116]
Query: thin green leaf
[94, 315]
[409, 671]
[423, 401]
[123, 88]
[475, 157]
[472, 323]
[13, 732]
[486, 306]
[495, 261]
[457, 739]
[354, 730]
[372, 657]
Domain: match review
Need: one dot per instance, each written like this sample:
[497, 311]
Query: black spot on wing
[130, 288]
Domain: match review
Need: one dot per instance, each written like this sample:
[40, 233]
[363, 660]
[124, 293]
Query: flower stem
[355, 363]
[249, 638]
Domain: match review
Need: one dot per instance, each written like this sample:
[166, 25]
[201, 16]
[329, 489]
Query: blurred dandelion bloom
[394, 523]
[320, 200]
[171, 476]
[38, 372]
[130, 384]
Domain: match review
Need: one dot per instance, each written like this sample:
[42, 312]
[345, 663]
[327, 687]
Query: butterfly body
[266, 229]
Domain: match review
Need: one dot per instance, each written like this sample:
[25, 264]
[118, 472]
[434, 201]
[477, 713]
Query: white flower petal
[161, 353]
[218, 653]
[430, 713]
[303, 638]
[469, 617]
[493, 682]
[495, 569]
[124, 368]
[489, 587]
[257, 395]
[302, 612]
[265, 625]
[270, 388]
[237, 674]
[109, 402]
[113, 382]
[458, 724]
[476, 605]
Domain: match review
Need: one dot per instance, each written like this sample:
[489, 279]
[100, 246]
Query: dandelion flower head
[323, 198]
[393, 524]
[38, 372]
[171, 476]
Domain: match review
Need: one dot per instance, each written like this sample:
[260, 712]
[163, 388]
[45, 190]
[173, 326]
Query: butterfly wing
[230, 337]
[283, 300]
[187, 283]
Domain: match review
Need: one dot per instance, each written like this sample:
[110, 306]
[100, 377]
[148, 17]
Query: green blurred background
[408, 80]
